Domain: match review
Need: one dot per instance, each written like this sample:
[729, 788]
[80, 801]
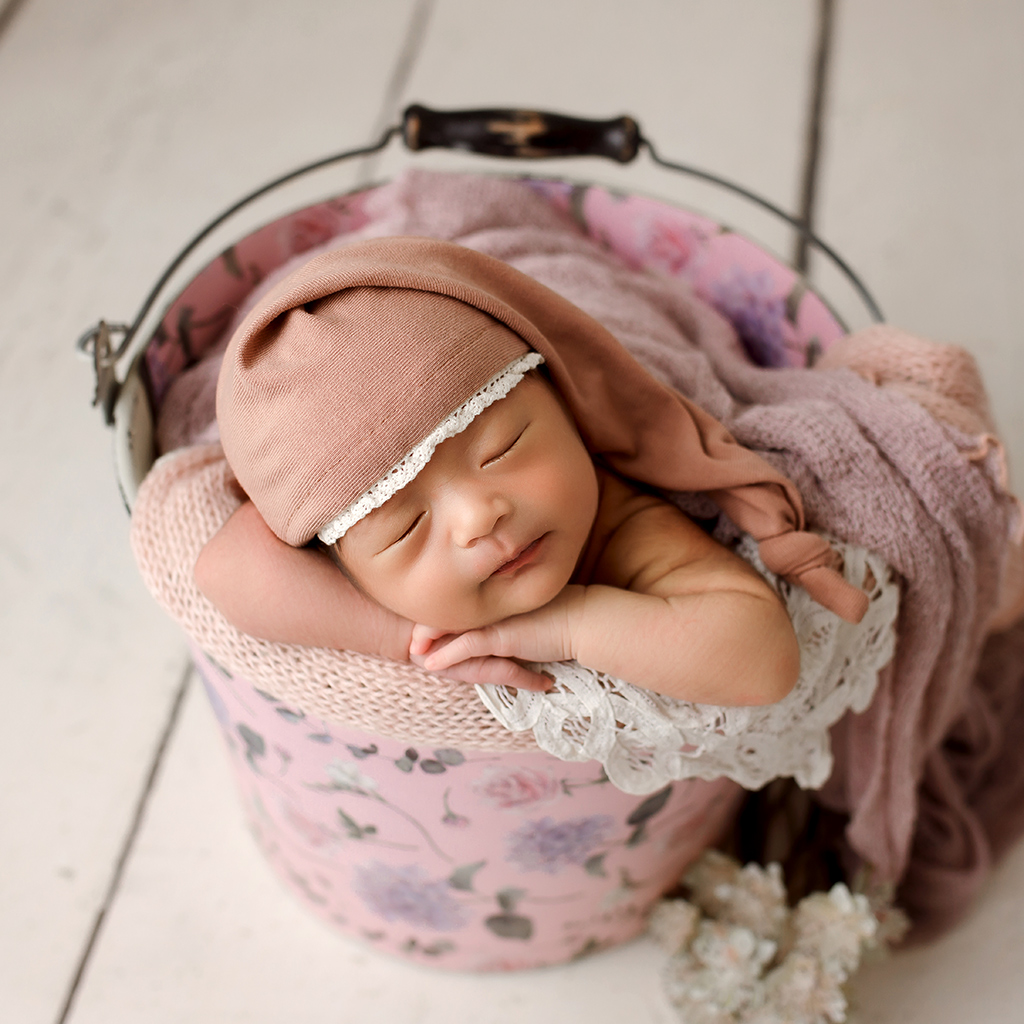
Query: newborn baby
[478, 457]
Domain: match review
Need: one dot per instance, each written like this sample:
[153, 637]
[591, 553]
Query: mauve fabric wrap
[403, 331]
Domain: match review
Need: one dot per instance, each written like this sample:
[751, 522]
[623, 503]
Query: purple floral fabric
[780, 321]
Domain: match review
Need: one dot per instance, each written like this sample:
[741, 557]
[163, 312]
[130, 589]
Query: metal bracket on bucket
[96, 343]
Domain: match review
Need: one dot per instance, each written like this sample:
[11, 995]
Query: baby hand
[541, 635]
[495, 671]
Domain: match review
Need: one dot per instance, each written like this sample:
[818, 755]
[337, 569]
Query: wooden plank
[721, 84]
[124, 126]
[922, 176]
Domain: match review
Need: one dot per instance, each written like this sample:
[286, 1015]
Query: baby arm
[270, 590]
[669, 610]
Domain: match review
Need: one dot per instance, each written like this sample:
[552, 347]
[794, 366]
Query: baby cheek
[435, 595]
[573, 491]
[552, 483]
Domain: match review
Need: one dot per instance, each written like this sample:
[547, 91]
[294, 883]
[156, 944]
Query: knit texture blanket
[890, 443]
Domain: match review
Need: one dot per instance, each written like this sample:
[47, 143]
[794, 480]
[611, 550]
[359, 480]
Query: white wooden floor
[124, 125]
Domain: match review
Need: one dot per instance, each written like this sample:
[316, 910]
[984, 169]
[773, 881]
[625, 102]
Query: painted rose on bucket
[516, 788]
[668, 244]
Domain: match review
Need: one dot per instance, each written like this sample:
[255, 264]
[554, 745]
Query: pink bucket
[466, 859]
[461, 858]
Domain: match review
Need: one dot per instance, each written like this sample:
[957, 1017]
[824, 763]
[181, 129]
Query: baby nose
[476, 514]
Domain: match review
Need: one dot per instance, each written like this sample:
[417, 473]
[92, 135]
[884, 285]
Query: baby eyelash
[412, 526]
[502, 454]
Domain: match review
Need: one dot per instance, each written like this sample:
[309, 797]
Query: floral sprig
[740, 955]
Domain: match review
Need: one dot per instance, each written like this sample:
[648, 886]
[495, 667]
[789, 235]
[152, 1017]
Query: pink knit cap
[354, 361]
[322, 404]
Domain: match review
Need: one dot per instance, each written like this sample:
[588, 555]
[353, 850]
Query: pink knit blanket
[896, 458]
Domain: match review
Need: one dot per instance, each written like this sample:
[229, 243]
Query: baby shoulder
[649, 540]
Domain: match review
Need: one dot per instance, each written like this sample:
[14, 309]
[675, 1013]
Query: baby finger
[465, 646]
[497, 672]
[423, 638]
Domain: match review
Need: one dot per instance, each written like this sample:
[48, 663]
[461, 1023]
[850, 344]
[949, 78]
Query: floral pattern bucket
[468, 859]
[465, 859]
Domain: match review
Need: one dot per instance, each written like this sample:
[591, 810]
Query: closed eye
[506, 450]
[412, 526]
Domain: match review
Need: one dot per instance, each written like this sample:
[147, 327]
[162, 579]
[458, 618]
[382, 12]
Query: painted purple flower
[406, 894]
[547, 845]
[757, 310]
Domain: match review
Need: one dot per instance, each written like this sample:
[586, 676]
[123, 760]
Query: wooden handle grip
[529, 134]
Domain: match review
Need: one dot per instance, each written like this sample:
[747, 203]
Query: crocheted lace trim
[409, 467]
[645, 740]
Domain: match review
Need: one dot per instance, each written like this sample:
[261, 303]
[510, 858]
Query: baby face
[493, 525]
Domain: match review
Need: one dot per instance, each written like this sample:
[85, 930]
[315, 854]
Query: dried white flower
[751, 896]
[834, 928]
[799, 991]
[741, 956]
[721, 969]
[673, 923]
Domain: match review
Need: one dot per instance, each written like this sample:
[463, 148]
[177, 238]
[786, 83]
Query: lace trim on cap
[409, 467]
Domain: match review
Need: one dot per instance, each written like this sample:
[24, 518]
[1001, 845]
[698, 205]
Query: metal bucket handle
[510, 133]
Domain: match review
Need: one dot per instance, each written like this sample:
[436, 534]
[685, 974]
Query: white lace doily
[645, 740]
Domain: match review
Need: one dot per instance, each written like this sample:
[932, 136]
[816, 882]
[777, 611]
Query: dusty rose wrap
[357, 355]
